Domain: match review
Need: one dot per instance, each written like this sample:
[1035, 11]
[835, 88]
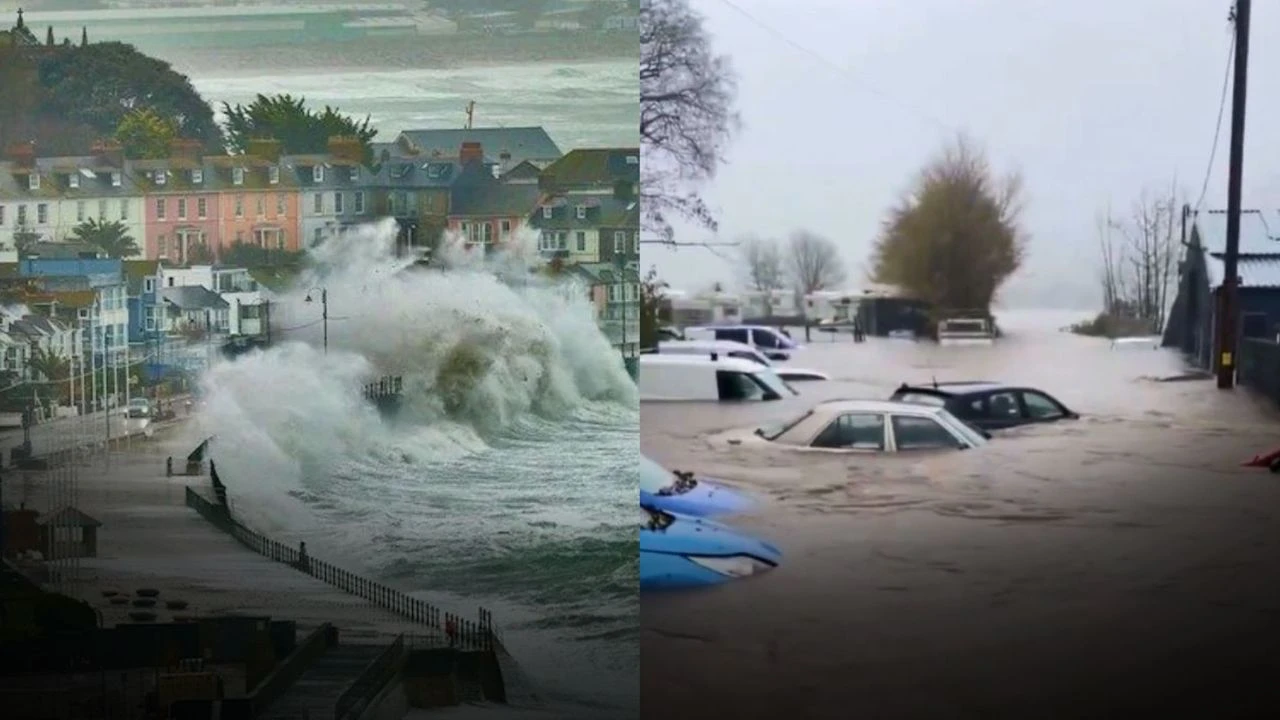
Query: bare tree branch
[1139, 271]
[686, 114]
[814, 262]
[761, 265]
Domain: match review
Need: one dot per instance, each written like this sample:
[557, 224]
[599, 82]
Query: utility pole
[324, 315]
[471, 112]
[1228, 308]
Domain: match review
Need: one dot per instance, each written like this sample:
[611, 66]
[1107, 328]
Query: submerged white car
[873, 426]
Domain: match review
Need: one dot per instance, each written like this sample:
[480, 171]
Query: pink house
[181, 208]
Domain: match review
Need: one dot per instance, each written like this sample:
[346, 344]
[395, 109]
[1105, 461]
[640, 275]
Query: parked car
[686, 493]
[741, 351]
[988, 405]
[775, 343]
[138, 408]
[678, 551]
[873, 426]
[671, 378]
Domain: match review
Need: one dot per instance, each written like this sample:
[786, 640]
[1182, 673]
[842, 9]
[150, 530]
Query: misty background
[1093, 103]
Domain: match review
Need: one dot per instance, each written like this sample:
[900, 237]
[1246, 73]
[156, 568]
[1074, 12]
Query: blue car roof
[697, 536]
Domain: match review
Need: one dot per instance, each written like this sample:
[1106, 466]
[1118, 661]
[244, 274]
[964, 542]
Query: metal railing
[371, 680]
[383, 387]
[459, 632]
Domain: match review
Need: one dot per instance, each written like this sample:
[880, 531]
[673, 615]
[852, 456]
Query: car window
[744, 355]
[921, 433]
[765, 339]
[920, 398]
[1003, 406]
[737, 386]
[854, 431]
[1041, 406]
[734, 334]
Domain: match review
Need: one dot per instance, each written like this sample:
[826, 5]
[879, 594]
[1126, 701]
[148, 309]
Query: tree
[814, 263]
[1139, 263]
[762, 265]
[299, 129]
[953, 239]
[652, 293]
[687, 94]
[53, 368]
[112, 236]
[23, 238]
[199, 254]
[96, 86]
[144, 134]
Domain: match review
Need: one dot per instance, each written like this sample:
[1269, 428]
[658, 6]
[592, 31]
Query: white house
[244, 298]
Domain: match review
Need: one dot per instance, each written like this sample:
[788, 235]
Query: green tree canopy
[98, 85]
[144, 134]
[954, 238]
[110, 235]
[299, 129]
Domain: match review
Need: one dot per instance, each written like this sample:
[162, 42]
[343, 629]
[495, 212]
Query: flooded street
[1123, 564]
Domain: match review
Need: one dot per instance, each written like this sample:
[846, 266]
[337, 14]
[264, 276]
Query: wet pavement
[1120, 565]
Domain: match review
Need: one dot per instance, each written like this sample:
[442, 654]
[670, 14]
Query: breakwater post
[386, 393]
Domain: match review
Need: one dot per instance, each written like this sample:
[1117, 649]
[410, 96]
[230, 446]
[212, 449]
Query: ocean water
[507, 479]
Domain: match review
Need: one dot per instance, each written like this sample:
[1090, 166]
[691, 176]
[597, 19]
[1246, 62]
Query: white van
[667, 378]
[730, 349]
[775, 344]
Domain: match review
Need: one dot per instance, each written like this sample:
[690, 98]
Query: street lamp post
[324, 315]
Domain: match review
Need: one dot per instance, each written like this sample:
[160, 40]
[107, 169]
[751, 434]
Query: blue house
[1190, 327]
[142, 278]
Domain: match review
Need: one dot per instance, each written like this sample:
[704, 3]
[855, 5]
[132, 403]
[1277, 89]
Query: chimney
[470, 152]
[22, 154]
[346, 147]
[109, 152]
[268, 149]
[186, 149]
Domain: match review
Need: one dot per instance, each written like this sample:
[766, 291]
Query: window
[402, 200]
[42, 214]
[635, 243]
[148, 285]
[260, 203]
[317, 203]
[197, 176]
[160, 208]
[1041, 406]
[581, 237]
[102, 210]
[581, 212]
[237, 176]
[80, 210]
[116, 179]
[734, 386]
[33, 181]
[1, 215]
[73, 180]
[151, 318]
[124, 209]
[337, 203]
[317, 173]
[546, 212]
[182, 208]
[162, 249]
[619, 243]
[921, 433]
[239, 206]
[160, 177]
[504, 228]
[741, 335]
[486, 233]
[1002, 406]
[202, 208]
[319, 235]
[282, 205]
[853, 431]
[359, 202]
[273, 175]
[22, 214]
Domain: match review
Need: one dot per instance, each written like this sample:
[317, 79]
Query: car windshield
[919, 398]
[769, 378]
[774, 430]
[966, 431]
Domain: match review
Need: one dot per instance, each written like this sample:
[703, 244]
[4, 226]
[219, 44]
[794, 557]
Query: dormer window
[73, 180]
[33, 181]
[355, 174]
[273, 175]
[197, 176]
[161, 176]
[633, 159]
[546, 212]
[317, 173]
[237, 176]
[582, 212]
[116, 179]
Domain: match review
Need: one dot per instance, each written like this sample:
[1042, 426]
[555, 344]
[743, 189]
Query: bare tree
[814, 262]
[1140, 268]
[762, 267]
[687, 94]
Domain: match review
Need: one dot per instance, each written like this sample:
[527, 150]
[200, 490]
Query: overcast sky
[1091, 101]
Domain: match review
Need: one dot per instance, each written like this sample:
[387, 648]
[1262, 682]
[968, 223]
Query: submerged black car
[988, 405]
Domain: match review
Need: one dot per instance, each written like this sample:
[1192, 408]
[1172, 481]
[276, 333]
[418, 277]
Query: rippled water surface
[1059, 562]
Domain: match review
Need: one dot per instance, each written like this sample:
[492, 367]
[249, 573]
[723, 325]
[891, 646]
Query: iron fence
[460, 632]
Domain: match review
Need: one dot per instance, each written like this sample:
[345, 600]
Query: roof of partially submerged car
[955, 387]
[876, 406]
[720, 363]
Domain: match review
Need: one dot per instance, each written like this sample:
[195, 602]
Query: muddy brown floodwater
[1121, 565]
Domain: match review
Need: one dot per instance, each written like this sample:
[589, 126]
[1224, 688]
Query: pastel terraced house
[257, 199]
[182, 204]
[332, 189]
[51, 196]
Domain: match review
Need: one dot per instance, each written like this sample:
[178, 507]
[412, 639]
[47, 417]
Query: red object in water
[1263, 460]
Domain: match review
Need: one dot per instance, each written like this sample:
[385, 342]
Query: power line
[915, 109]
[1217, 128]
